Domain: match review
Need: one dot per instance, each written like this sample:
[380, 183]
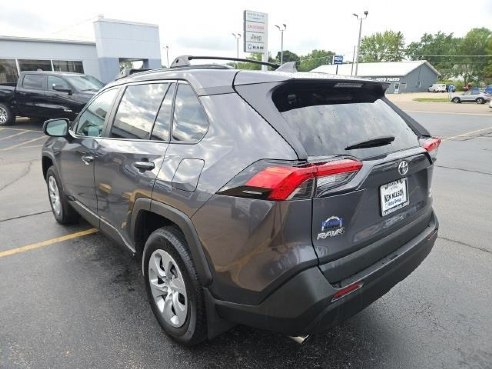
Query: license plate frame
[393, 196]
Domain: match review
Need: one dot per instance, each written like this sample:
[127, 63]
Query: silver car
[473, 96]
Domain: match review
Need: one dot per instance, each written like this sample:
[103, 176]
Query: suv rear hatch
[363, 215]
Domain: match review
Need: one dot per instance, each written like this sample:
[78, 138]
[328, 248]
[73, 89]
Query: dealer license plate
[394, 196]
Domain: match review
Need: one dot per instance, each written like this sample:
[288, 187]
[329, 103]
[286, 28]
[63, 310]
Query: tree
[472, 52]
[439, 49]
[252, 66]
[488, 67]
[288, 57]
[314, 59]
[382, 47]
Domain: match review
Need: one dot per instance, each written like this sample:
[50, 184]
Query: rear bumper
[304, 305]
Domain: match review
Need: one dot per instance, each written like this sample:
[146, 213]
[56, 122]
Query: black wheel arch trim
[50, 156]
[185, 225]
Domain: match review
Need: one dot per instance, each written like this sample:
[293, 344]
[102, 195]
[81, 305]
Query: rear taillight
[431, 145]
[290, 182]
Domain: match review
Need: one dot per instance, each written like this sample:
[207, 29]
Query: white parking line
[20, 129]
[20, 144]
[31, 147]
[465, 134]
[15, 134]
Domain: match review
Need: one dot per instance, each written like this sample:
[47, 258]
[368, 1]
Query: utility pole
[360, 18]
[167, 55]
[237, 36]
[281, 28]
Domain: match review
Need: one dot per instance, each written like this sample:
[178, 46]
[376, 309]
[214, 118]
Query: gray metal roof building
[115, 41]
[405, 76]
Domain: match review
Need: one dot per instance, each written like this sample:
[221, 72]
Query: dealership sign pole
[256, 34]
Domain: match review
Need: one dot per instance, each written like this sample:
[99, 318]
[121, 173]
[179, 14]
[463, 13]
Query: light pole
[360, 18]
[167, 55]
[237, 36]
[281, 28]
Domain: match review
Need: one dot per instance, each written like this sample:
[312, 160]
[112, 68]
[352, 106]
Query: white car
[437, 87]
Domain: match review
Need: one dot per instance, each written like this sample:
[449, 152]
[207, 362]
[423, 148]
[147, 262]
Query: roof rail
[184, 60]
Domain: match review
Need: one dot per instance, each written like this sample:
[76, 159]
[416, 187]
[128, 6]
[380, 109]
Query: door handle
[144, 165]
[87, 159]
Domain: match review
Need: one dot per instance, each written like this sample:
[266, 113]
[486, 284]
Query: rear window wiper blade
[375, 142]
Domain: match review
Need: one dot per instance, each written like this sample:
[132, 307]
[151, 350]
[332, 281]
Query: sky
[205, 27]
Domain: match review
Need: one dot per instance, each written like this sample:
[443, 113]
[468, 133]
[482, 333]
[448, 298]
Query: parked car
[282, 201]
[471, 96]
[437, 87]
[488, 90]
[46, 95]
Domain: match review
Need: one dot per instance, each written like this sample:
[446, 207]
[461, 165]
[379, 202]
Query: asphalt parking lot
[70, 298]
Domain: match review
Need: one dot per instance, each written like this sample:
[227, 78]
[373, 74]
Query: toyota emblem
[403, 168]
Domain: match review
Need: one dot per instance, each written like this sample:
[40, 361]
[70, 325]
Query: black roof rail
[184, 60]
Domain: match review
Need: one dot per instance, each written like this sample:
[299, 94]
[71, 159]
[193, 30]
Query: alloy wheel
[3, 115]
[168, 288]
[54, 195]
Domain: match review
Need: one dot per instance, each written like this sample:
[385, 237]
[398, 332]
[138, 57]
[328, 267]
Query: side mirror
[62, 89]
[56, 127]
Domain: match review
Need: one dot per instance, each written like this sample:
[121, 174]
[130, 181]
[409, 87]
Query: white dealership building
[115, 42]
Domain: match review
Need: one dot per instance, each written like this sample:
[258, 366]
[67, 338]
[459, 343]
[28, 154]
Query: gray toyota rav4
[279, 200]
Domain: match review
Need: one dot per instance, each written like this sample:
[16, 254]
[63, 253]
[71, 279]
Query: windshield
[85, 83]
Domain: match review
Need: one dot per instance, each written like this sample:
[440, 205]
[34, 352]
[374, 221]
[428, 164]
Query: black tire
[65, 214]
[480, 100]
[7, 118]
[456, 100]
[194, 328]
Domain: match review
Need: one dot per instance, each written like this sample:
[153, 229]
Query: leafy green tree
[488, 67]
[314, 59]
[439, 49]
[382, 47]
[288, 57]
[472, 52]
[252, 66]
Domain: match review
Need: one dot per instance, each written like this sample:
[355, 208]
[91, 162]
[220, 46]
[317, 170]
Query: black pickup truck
[46, 95]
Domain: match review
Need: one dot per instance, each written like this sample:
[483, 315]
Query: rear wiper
[378, 141]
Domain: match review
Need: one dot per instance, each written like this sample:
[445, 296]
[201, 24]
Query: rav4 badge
[331, 227]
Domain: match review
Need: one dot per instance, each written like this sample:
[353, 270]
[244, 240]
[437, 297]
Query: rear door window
[190, 122]
[162, 126]
[138, 110]
[327, 120]
[34, 82]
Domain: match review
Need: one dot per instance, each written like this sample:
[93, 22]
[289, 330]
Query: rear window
[328, 119]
